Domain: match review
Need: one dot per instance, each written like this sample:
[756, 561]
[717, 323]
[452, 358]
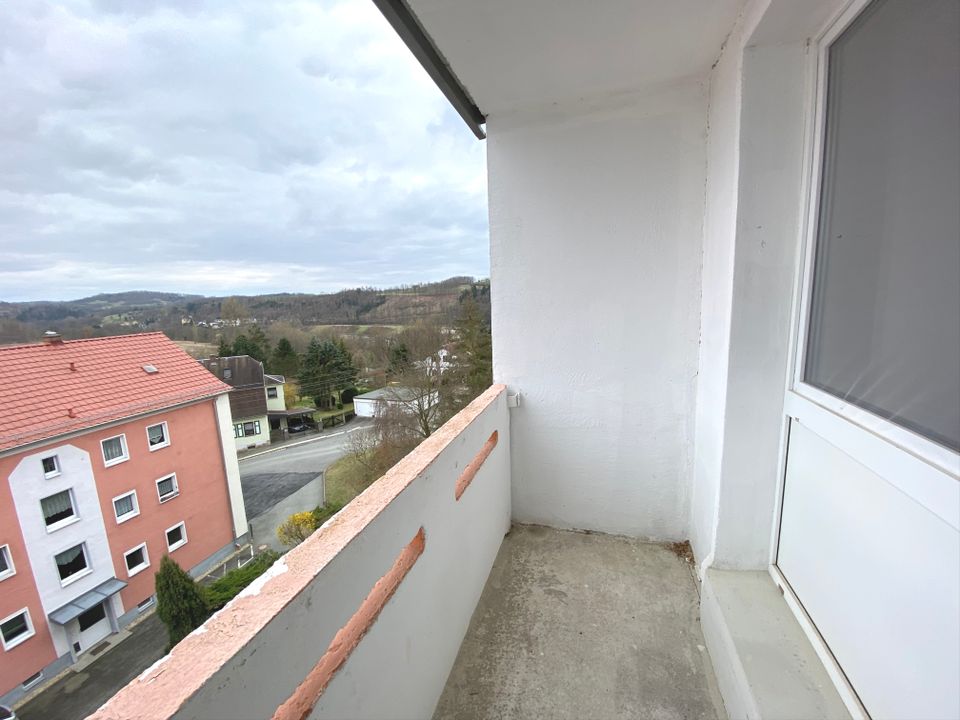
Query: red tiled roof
[42, 397]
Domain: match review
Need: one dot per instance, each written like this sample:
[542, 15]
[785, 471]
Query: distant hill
[140, 311]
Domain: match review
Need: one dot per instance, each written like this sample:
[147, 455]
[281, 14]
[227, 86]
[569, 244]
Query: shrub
[348, 395]
[180, 602]
[322, 513]
[222, 591]
[296, 528]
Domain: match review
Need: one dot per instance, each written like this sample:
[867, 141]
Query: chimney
[51, 337]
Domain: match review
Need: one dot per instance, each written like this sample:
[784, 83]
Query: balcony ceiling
[512, 54]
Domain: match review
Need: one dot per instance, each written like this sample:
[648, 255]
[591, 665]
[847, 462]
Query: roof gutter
[404, 22]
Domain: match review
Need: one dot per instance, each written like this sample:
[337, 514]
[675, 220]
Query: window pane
[156, 435]
[91, 617]
[123, 505]
[883, 332]
[4, 563]
[112, 449]
[50, 465]
[71, 561]
[166, 486]
[57, 507]
[134, 559]
[175, 535]
[14, 627]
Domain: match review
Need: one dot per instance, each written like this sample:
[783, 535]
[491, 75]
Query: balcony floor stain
[578, 625]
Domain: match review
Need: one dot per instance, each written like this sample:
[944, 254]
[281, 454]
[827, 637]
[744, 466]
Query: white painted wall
[365, 408]
[28, 486]
[231, 464]
[595, 228]
[261, 438]
[401, 665]
[278, 403]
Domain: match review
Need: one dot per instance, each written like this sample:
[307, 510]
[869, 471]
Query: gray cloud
[226, 147]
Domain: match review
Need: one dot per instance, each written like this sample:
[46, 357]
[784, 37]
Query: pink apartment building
[113, 452]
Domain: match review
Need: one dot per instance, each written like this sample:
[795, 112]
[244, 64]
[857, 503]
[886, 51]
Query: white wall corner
[231, 464]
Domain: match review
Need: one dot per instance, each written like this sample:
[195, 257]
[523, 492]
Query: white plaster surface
[512, 55]
[401, 665]
[28, 486]
[231, 465]
[595, 227]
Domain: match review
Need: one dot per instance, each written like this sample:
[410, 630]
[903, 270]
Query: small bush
[181, 603]
[296, 528]
[348, 395]
[322, 513]
[222, 591]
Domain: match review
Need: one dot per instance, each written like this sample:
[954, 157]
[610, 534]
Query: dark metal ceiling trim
[401, 17]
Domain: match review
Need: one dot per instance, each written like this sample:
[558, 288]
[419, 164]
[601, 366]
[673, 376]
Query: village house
[114, 452]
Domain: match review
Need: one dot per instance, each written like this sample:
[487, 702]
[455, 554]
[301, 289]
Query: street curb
[302, 442]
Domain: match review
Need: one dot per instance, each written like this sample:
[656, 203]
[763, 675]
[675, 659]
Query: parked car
[6, 713]
[299, 426]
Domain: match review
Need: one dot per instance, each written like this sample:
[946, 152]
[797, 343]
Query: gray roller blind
[884, 332]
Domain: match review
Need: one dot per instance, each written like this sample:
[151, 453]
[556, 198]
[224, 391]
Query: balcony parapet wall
[402, 605]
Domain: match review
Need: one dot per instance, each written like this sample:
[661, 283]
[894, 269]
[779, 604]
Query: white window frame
[143, 605]
[813, 400]
[166, 436]
[20, 638]
[177, 545]
[56, 461]
[66, 521]
[118, 460]
[32, 681]
[77, 575]
[176, 488]
[131, 571]
[8, 556]
[130, 515]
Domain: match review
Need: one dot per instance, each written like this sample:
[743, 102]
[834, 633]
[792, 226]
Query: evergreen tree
[325, 368]
[256, 345]
[399, 359]
[180, 602]
[474, 348]
[284, 360]
[224, 349]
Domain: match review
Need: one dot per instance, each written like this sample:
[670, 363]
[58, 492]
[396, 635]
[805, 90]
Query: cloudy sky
[220, 148]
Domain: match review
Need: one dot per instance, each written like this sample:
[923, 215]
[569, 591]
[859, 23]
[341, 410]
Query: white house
[406, 398]
[759, 201]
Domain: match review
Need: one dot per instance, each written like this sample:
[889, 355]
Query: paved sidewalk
[78, 694]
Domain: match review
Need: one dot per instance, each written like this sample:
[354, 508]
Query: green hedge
[322, 513]
[222, 591]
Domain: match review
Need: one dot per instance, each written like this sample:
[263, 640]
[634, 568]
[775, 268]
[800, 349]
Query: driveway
[78, 694]
[269, 477]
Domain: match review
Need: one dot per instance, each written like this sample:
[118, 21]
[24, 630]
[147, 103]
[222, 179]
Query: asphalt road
[270, 477]
[78, 694]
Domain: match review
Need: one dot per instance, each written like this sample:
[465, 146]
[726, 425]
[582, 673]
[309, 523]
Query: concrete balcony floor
[578, 625]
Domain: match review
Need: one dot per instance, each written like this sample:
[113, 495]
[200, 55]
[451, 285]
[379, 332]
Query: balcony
[368, 617]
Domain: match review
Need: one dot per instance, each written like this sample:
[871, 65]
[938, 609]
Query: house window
[271, 393]
[51, 466]
[32, 680]
[136, 560]
[58, 510]
[227, 373]
[176, 537]
[114, 450]
[167, 488]
[6, 563]
[126, 506]
[157, 436]
[16, 628]
[144, 604]
[246, 429]
[72, 564]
